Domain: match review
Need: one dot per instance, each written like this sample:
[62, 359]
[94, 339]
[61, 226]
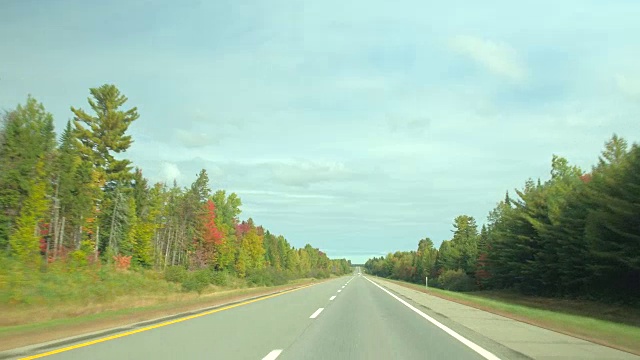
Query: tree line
[575, 235]
[77, 200]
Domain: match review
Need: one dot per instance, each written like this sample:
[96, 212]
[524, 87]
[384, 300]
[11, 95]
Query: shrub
[455, 280]
[197, 281]
[176, 274]
[319, 274]
[267, 277]
[220, 278]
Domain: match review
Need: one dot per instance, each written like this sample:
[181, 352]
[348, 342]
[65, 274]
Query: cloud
[192, 139]
[414, 126]
[280, 194]
[304, 173]
[629, 85]
[363, 83]
[170, 171]
[499, 58]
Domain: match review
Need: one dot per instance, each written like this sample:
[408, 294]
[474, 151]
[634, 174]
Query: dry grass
[32, 325]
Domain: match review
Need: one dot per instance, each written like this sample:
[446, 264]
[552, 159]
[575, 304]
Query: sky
[359, 127]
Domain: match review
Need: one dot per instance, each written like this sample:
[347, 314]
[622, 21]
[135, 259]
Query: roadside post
[426, 281]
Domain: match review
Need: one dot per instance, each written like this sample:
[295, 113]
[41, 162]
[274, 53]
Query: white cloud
[193, 139]
[304, 173]
[280, 194]
[170, 171]
[499, 58]
[363, 83]
[629, 84]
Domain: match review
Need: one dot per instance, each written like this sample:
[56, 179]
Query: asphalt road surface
[346, 318]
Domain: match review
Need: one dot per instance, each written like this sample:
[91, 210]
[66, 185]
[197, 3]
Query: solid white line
[331, 298]
[473, 346]
[315, 314]
[339, 290]
[273, 355]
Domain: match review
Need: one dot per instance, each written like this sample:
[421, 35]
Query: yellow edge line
[117, 336]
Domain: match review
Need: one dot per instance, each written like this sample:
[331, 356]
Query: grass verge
[605, 324]
[101, 316]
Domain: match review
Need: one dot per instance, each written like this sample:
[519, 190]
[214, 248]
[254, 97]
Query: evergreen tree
[27, 138]
[25, 240]
[102, 135]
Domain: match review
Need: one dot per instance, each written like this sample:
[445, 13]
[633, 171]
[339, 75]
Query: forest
[74, 212]
[576, 235]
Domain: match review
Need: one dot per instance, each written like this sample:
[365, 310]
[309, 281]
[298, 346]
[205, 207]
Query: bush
[455, 280]
[175, 274]
[220, 278]
[319, 274]
[196, 281]
[266, 277]
[64, 282]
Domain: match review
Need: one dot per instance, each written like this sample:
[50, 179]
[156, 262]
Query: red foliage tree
[211, 238]
[242, 229]
[212, 235]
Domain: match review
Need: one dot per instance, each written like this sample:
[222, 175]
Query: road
[346, 318]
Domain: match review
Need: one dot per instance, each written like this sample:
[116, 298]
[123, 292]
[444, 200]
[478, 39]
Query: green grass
[40, 304]
[200, 300]
[608, 324]
[124, 312]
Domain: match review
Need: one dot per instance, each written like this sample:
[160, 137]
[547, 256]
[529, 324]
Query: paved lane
[364, 322]
[346, 318]
[244, 332]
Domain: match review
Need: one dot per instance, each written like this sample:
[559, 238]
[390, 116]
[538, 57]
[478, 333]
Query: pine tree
[465, 240]
[27, 138]
[104, 134]
[25, 240]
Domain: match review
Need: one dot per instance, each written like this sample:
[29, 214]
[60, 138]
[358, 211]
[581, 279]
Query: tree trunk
[166, 251]
[95, 250]
[113, 220]
[61, 240]
[54, 222]
[78, 239]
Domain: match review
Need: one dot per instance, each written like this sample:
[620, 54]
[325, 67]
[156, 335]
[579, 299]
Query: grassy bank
[37, 323]
[45, 303]
[611, 325]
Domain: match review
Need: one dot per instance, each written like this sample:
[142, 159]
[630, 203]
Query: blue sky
[359, 127]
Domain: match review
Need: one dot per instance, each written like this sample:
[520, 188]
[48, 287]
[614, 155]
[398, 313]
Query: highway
[346, 318]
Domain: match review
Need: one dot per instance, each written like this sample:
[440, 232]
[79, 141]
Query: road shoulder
[527, 340]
